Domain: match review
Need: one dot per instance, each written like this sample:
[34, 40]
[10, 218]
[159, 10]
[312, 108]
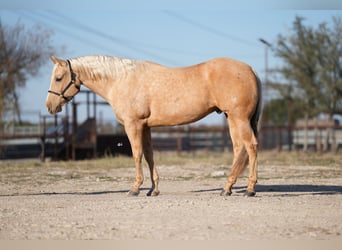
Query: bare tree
[22, 53]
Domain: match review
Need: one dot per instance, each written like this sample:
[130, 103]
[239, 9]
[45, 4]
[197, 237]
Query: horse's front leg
[134, 132]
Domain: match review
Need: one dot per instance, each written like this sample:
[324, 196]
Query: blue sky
[170, 34]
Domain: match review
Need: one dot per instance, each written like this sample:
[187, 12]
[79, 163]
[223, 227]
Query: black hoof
[152, 193]
[133, 193]
[226, 193]
[249, 193]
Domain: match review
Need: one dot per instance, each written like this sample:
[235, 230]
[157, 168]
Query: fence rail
[52, 140]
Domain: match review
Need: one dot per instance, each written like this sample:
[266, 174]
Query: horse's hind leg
[148, 154]
[240, 157]
[252, 149]
[251, 145]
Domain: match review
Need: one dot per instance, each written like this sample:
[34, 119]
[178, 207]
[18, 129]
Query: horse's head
[63, 87]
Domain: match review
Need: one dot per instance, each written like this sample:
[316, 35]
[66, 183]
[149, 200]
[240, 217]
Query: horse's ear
[55, 60]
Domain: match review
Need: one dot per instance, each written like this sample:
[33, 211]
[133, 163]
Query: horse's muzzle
[53, 109]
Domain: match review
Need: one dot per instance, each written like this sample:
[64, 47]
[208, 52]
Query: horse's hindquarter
[234, 86]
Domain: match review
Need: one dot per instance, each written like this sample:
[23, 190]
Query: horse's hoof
[226, 193]
[133, 193]
[249, 193]
[152, 193]
[155, 193]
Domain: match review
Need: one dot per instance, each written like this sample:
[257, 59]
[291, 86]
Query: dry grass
[23, 175]
[172, 158]
[299, 159]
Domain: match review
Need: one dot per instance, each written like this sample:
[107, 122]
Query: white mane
[104, 67]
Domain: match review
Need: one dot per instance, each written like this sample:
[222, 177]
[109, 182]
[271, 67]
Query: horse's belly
[170, 115]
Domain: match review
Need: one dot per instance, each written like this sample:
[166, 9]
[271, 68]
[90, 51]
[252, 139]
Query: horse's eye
[58, 79]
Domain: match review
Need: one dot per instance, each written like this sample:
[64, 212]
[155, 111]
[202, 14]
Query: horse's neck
[88, 80]
[100, 74]
[97, 67]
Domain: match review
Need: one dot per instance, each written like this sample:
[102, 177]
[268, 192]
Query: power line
[59, 19]
[208, 28]
[62, 23]
[117, 40]
[125, 42]
[37, 17]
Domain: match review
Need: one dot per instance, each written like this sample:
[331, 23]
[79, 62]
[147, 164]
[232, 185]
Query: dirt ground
[298, 197]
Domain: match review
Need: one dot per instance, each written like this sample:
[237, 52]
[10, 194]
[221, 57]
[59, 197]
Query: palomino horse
[145, 94]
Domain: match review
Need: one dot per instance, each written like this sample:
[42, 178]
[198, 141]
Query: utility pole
[266, 83]
[264, 86]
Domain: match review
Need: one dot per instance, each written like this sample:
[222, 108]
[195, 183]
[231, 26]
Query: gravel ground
[69, 201]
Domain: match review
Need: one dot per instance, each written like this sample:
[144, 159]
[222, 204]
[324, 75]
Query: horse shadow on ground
[274, 190]
[286, 190]
[71, 193]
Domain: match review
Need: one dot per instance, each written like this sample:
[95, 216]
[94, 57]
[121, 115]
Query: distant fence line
[216, 138]
[189, 138]
[94, 139]
[320, 135]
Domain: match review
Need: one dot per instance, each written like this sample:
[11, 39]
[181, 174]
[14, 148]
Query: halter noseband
[72, 82]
